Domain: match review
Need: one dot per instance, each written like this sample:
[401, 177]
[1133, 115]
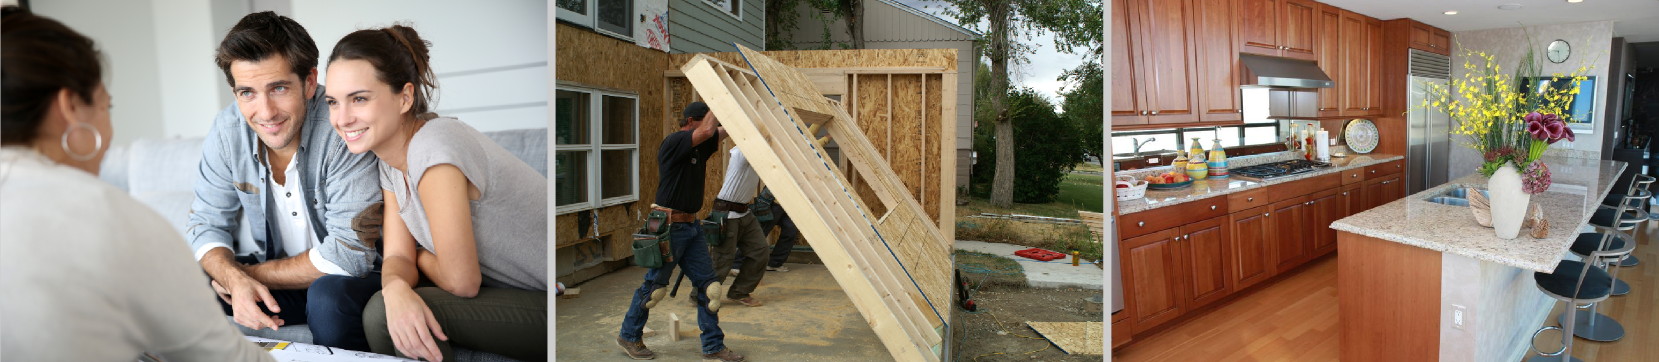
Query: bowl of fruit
[1129, 188]
[1168, 181]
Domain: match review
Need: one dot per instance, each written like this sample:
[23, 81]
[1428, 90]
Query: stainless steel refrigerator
[1429, 142]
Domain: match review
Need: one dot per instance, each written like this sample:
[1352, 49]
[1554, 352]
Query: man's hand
[244, 296]
[367, 224]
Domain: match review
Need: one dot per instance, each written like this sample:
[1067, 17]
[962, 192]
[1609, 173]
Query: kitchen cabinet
[1373, 74]
[1383, 190]
[1430, 39]
[1283, 28]
[1121, 330]
[1290, 220]
[1329, 24]
[1204, 244]
[1326, 207]
[1128, 106]
[1355, 64]
[1251, 246]
[1153, 270]
[1216, 48]
[1160, 34]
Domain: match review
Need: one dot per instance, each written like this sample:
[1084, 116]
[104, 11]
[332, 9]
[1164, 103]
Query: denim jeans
[691, 254]
[332, 307]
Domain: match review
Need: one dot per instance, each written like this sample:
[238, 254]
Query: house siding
[697, 27]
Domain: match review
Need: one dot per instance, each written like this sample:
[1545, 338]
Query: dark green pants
[504, 321]
[741, 236]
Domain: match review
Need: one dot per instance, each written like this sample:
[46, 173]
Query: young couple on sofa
[456, 255]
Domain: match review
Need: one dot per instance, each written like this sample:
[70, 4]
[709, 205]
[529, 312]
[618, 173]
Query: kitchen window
[608, 17]
[1169, 140]
[730, 7]
[596, 149]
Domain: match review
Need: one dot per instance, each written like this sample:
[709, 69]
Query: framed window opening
[1169, 140]
[596, 147]
[607, 17]
[730, 7]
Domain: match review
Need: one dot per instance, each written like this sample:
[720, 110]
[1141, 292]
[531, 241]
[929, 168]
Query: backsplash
[1233, 162]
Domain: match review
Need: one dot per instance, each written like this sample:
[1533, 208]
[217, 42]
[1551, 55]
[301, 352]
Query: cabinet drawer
[1384, 169]
[1352, 176]
[1239, 201]
[1149, 221]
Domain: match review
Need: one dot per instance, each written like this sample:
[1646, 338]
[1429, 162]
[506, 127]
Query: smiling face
[272, 99]
[364, 111]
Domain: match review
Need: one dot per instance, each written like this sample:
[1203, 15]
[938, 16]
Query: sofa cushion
[113, 169]
[163, 164]
[530, 145]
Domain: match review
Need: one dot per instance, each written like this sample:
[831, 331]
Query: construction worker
[773, 215]
[739, 230]
[681, 162]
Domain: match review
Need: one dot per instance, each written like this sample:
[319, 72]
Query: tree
[1075, 23]
[1049, 145]
[1082, 106]
[783, 18]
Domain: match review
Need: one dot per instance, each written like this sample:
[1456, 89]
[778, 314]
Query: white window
[609, 17]
[730, 7]
[596, 145]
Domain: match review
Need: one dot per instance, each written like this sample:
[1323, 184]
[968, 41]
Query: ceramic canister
[1198, 170]
[1218, 169]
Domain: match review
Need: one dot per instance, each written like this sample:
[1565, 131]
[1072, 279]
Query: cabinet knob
[1344, 193]
[1373, 171]
[1249, 199]
[1141, 224]
[1212, 207]
[1267, 215]
[1354, 175]
[1154, 113]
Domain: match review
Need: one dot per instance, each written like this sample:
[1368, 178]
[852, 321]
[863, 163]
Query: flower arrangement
[1504, 121]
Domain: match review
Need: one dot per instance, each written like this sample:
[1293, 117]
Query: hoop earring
[97, 142]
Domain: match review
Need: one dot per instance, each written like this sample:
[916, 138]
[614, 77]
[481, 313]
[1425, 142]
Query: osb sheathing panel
[850, 58]
[591, 60]
[930, 133]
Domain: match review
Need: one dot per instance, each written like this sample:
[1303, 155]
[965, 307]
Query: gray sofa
[161, 172]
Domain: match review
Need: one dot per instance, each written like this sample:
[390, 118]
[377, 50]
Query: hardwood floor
[1295, 319]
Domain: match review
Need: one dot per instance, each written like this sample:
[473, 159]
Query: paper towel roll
[1323, 140]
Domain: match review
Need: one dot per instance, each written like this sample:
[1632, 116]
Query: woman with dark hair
[90, 273]
[460, 209]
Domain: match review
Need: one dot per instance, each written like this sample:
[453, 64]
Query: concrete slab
[807, 317]
[1040, 274]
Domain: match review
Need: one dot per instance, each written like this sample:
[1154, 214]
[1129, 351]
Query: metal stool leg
[1590, 325]
[1566, 352]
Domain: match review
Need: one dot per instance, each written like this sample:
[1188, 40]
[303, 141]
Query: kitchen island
[1421, 281]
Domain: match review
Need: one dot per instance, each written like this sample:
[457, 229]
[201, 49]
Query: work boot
[656, 296]
[725, 355]
[749, 301]
[711, 291]
[779, 268]
[635, 350]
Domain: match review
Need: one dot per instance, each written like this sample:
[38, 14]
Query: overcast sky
[1044, 67]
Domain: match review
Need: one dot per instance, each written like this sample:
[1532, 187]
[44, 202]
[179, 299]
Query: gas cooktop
[1277, 170]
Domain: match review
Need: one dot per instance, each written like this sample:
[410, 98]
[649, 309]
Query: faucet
[1137, 142]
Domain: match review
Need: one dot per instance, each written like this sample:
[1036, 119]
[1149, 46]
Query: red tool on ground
[1040, 254]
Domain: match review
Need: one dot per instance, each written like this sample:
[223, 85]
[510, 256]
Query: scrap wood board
[1072, 337]
[894, 266]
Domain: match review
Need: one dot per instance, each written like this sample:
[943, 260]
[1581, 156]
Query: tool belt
[673, 216]
[653, 244]
[723, 205]
[712, 227]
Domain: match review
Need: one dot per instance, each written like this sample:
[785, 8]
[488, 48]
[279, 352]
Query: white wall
[130, 59]
[1590, 44]
[490, 56]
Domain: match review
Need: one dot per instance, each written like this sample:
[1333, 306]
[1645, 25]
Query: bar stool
[1638, 182]
[1572, 282]
[1600, 249]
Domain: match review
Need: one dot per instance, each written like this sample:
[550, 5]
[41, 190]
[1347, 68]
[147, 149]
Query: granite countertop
[1207, 188]
[1578, 188]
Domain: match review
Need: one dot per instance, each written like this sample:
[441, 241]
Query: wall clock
[1559, 50]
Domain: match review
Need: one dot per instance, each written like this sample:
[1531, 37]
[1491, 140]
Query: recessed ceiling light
[1575, 1]
[1450, 12]
[1509, 6]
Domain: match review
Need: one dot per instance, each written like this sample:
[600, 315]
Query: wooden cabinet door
[1373, 193]
[1258, 22]
[1128, 102]
[1153, 270]
[1420, 37]
[1355, 194]
[1169, 66]
[1205, 246]
[1296, 29]
[1290, 231]
[1251, 251]
[1354, 43]
[1330, 59]
[1392, 189]
[1441, 41]
[1373, 75]
[1218, 64]
[1326, 207]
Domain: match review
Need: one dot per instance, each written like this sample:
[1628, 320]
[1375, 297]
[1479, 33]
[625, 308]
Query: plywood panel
[905, 151]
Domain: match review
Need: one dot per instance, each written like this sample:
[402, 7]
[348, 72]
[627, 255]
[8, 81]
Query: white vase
[1509, 202]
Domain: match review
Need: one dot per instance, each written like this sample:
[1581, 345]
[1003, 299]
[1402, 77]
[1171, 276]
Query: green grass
[1085, 192]
[982, 269]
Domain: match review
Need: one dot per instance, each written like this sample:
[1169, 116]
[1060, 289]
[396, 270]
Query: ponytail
[399, 57]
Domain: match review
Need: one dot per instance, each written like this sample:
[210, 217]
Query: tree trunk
[1002, 184]
[855, 22]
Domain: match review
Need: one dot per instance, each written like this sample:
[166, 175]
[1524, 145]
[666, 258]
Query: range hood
[1275, 72]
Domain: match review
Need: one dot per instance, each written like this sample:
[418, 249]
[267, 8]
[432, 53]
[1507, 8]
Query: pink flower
[1536, 178]
[1538, 130]
[1557, 130]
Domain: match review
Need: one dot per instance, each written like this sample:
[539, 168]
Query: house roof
[930, 17]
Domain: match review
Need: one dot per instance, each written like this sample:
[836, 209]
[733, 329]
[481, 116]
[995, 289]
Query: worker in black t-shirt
[681, 161]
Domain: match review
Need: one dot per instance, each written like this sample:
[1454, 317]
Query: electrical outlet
[1458, 312]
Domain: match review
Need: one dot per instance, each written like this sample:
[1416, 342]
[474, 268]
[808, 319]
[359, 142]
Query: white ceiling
[1636, 20]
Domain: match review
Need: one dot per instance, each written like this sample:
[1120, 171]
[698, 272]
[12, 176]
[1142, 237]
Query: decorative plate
[1361, 135]
[1170, 186]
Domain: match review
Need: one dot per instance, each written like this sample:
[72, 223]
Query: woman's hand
[411, 324]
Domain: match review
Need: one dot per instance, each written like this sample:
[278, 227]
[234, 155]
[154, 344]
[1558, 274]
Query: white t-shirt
[93, 275]
[741, 183]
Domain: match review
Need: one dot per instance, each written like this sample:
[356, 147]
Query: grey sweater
[509, 220]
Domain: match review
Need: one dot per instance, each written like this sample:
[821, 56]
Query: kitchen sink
[1458, 196]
